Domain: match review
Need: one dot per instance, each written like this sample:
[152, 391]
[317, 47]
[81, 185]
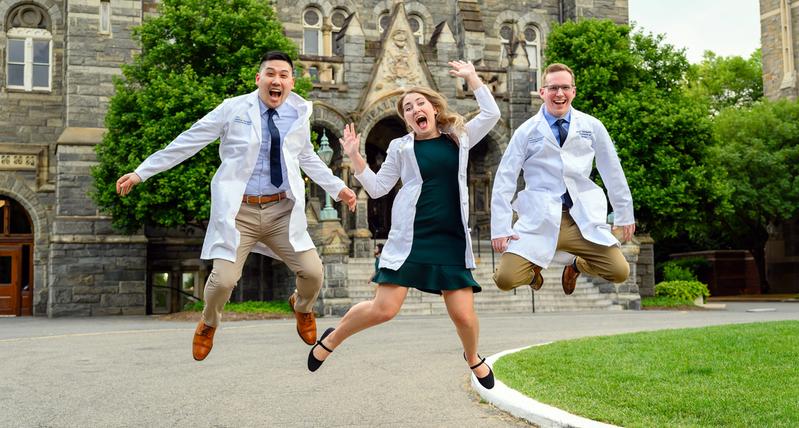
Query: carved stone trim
[15, 157]
[399, 64]
[33, 33]
[15, 162]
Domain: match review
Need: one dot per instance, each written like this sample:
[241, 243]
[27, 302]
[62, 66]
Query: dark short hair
[275, 56]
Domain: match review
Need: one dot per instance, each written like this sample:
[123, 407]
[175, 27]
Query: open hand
[627, 232]
[501, 244]
[126, 183]
[351, 141]
[462, 69]
[347, 196]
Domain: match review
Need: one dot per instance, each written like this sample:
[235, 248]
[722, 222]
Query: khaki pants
[592, 259]
[267, 223]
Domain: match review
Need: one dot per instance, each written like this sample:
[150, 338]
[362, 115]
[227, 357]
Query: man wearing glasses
[560, 207]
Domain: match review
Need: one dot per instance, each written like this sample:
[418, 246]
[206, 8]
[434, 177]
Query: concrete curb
[522, 406]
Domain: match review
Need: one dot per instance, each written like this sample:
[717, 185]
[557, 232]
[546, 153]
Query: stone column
[361, 236]
[334, 298]
[646, 266]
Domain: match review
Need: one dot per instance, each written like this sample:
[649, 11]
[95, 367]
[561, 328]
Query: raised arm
[186, 145]
[480, 125]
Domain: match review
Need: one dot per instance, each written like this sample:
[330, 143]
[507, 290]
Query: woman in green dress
[428, 246]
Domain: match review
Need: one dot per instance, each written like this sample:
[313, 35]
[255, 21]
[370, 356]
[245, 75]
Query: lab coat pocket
[531, 207]
[595, 205]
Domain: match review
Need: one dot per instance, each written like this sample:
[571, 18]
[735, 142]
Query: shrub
[675, 270]
[683, 290]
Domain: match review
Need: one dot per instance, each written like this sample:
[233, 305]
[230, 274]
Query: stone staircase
[549, 298]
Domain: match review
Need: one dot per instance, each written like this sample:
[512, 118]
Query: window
[337, 20]
[160, 303]
[383, 22]
[105, 17]
[190, 285]
[506, 33]
[29, 59]
[417, 27]
[312, 32]
[531, 46]
[14, 219]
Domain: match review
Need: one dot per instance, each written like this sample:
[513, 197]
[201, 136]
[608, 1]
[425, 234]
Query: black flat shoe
[486, 381]
[314, 363]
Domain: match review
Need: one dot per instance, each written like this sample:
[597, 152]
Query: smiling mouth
[275, 93]
[421, 121]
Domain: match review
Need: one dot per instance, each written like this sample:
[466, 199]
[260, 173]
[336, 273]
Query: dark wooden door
[9, 279]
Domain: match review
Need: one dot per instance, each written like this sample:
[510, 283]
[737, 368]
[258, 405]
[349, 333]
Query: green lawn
[732, 376]
[272, 307]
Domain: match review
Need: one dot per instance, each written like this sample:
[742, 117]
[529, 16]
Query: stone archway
[11, 188]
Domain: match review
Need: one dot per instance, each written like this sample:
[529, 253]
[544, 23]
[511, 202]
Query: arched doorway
[376, 146]
[16, 261]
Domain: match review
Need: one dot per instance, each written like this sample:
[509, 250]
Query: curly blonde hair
[447, 121]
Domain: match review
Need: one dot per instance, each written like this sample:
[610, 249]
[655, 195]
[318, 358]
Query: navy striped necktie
[275, 169]
[562, 134]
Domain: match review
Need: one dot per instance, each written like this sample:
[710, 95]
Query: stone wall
[93, 270]
[779, 78]
[94, 58]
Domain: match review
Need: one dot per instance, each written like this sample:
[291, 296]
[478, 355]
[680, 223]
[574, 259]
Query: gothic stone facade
[779, 36]
[58, 61]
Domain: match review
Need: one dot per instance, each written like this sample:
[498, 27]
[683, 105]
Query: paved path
[137, 371]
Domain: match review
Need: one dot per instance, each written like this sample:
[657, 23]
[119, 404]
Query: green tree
[759, 150]
[195, 54]
[632, 82]
[726, 81]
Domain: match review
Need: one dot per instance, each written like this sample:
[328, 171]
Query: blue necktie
[562, 134]
[275, 170]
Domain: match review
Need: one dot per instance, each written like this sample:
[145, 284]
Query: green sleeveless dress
[438, 255]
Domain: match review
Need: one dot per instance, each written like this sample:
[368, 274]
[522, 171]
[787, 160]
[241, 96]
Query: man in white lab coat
[560, 207]
[257, 194]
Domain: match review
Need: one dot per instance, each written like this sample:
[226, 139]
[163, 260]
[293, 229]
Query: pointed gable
[399, 64]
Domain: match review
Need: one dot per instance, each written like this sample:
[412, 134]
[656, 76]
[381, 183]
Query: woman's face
[420, 115]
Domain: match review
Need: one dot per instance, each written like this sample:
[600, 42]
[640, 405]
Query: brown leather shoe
[538, 279]
[203, 341]
[569, 278]
[306, 323]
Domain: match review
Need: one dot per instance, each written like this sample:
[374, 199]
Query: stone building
[58, 253]
[779, 38]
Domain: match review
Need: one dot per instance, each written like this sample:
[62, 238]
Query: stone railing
[326, 72]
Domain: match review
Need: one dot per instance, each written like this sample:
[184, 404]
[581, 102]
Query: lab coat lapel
[255, 114]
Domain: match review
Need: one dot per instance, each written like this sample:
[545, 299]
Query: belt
[263, 199]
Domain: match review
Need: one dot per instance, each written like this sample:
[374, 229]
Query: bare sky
[726, 27]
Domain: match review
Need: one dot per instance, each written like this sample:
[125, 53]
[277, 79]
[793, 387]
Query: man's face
[558, 92]
[275, 81]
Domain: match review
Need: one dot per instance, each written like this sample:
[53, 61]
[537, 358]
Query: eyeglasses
[553, 89]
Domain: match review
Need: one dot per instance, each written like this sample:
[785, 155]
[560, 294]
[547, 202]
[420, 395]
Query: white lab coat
[237, 124]
[401, 164]
[548, 171]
